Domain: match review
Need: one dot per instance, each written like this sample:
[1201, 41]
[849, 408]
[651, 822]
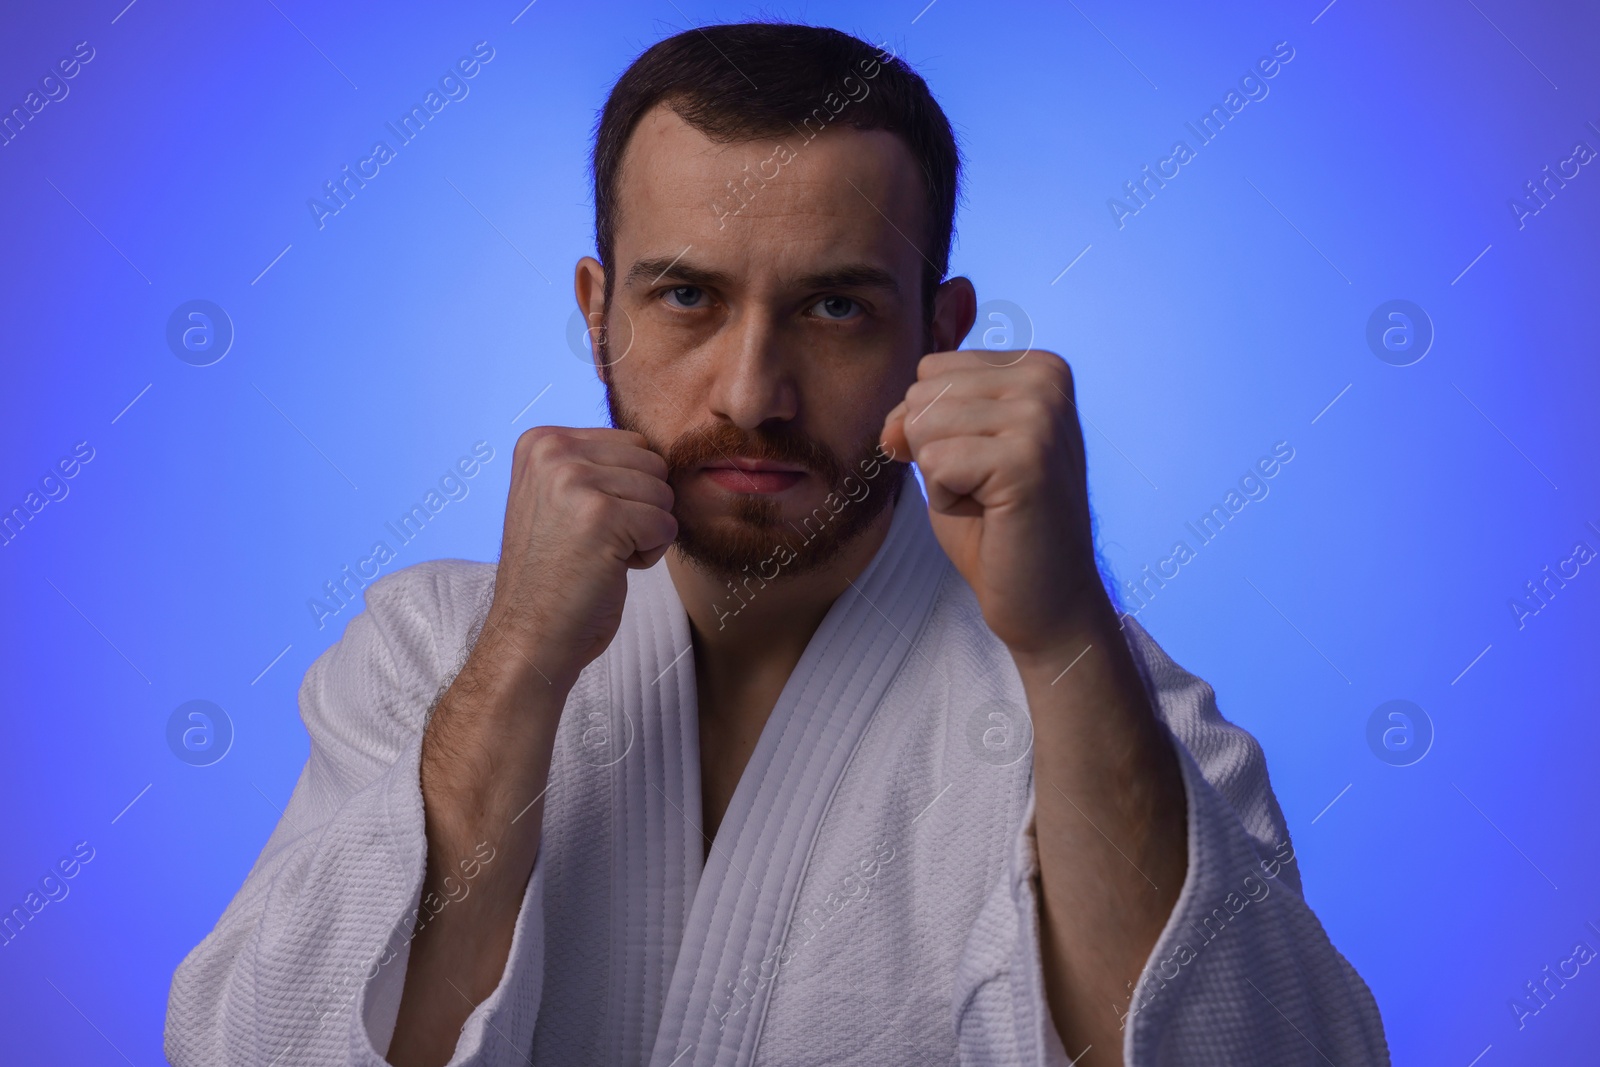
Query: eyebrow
[657, 267]
[851, 276]
[844, 276]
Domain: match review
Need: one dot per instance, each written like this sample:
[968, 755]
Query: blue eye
[686, 296]
[836, 308]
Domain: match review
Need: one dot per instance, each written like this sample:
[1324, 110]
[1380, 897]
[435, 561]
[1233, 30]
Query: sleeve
[1243, 974]
[307, 963]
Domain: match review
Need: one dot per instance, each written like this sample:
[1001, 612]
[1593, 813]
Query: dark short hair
[752, 80]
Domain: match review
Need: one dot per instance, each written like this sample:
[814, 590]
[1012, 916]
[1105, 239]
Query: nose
[751, 382]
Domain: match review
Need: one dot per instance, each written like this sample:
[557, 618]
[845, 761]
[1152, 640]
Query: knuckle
[569, 478]
[921, 394]
[556, 449]
[1040, 436]
[1056, 366]
[933, 455]
[590, 512]
[532, 436]
[1039, 415]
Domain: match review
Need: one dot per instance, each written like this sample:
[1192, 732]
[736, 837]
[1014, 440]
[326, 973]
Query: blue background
[1223, 317]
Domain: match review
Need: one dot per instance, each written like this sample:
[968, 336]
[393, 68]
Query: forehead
[771, 207]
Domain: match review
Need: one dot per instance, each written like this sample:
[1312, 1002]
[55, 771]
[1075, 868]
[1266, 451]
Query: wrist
[512, 659]
[487, 745]
[1088, 620]
[480, 789]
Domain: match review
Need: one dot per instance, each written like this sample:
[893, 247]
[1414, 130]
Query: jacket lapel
[742, 905]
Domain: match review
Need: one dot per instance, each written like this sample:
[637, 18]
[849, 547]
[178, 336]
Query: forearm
[1110, 822]
[485, 765]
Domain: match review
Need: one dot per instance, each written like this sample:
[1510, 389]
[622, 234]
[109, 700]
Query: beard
[753, 532]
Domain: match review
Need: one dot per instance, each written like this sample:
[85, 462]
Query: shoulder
[439, 596]
[395, 657]
[1183, 699]
[1226, 754]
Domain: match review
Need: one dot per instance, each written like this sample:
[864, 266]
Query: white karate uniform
[871, 895]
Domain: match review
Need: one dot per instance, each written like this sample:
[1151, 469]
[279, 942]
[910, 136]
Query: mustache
[724, 441]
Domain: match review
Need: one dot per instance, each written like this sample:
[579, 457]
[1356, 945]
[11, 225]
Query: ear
[955, 308]
[589, 285]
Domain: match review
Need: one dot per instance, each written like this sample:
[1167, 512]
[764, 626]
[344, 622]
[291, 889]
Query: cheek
[867, 373]
[654, 395]
[845, 410]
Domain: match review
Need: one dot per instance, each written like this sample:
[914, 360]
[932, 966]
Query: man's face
[763, 323]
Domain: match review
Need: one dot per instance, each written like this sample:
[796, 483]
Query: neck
[759, 625]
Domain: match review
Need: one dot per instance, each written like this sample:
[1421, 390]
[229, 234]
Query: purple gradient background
[1220, 319]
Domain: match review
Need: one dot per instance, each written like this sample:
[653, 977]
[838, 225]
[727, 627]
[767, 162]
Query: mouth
[739, 474]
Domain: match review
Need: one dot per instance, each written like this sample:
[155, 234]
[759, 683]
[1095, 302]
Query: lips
[741, 475]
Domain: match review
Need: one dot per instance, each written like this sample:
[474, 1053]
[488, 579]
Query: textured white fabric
[870, 897]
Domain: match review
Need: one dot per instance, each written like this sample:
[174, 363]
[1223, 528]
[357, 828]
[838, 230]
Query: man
[745, 752]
